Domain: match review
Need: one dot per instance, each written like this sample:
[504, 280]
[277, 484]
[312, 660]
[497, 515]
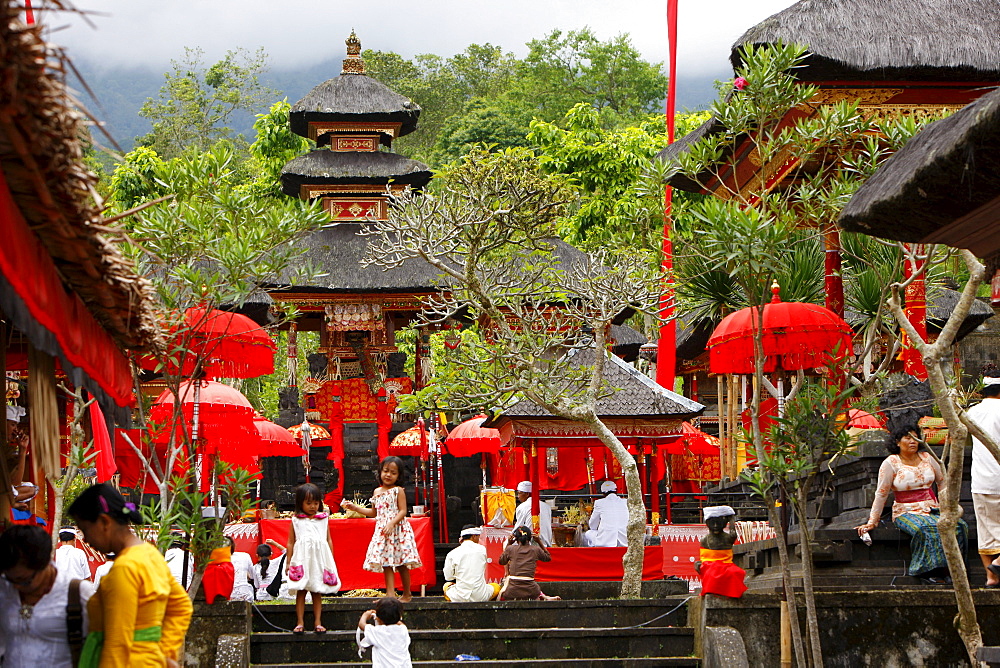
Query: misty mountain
[121, 92]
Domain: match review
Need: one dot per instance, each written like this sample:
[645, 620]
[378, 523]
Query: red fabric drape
[384, 423]
[126, 460]
[30, 271]
[106, 466]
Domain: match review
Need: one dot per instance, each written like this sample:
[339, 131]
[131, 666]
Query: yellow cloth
[705, 554]
[139, 592]
[220, 555]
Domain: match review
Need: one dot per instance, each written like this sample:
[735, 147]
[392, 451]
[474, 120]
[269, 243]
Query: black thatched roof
[338, 250]
[888, 40]
[636, 395]
[941, 302]
[627, 342]
[325, 167]
[942, 175]
[673, 151]
[354, 98]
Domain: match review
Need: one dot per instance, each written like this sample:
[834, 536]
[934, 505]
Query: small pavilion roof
[887, 40]
[943, 186]
[635, 396]
[326, 167]
[354, 98]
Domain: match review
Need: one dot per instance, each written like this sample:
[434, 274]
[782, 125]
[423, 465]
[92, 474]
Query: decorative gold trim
[864, 96]
[319, 128]
[310, 191]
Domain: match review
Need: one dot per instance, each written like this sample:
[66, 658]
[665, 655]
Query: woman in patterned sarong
[909, 473]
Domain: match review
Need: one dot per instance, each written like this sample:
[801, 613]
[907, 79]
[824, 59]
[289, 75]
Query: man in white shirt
[69, 558]
[609, 520]
[465, 570]
[176, 556]
[986, 476]
[522, 514]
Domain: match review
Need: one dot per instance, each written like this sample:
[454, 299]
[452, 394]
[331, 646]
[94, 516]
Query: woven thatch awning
[942, 187]
[887, 40]
[353, 98]
[325, 167]
[47, 200]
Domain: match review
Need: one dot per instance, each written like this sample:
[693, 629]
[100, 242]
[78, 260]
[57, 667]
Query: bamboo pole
[723, 439]
[786, 636]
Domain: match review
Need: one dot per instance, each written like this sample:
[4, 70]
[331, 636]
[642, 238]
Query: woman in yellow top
[139, 614]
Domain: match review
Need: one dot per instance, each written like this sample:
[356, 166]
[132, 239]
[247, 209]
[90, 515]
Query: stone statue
[719, 575]
[317, 365]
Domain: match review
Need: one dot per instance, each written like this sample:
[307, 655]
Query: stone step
[644, 662]
[497, 644]
[436, 613]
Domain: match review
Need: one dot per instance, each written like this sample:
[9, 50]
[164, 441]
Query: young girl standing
[309, 561]
[393, 547]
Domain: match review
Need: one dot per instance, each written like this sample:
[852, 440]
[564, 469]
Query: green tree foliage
[274, 146]
[197, 102]
[481, 122]
[622, 194]
[563, 69]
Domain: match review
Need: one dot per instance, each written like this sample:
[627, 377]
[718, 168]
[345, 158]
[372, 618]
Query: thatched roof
[354, 98]
[931, 190]
[635, 395]
[627, 342]
[673, 151]
[941, 302]
[888, 40]
[41, 155]
[325, 167]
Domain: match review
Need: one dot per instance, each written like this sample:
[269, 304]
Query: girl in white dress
[309, 564]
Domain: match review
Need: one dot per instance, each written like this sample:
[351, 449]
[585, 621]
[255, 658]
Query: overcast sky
[148, 32]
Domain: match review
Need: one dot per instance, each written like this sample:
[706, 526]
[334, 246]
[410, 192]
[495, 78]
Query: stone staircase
[573, 633]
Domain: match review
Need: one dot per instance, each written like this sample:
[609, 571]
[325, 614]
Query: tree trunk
[786, 580]
[805, 545]
[636, 531]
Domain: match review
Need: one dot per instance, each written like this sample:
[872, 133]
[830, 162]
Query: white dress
[312, 560]
[245, 577]
[41, 639]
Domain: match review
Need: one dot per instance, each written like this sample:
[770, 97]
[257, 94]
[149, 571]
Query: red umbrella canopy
[231, 345]
[859, 419]
[796, 335]
[316, 432]
[407, 443]
[471, 438]
[278, 441]
[225, 419]
[698, 442]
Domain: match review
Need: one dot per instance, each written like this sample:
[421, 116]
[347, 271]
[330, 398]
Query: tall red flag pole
[29, 14]
[666, 351]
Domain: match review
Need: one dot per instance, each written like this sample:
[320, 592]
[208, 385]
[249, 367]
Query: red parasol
[230, 344]
[698, 442]
[797, 335]
[859, 419]
[471, 438]
[278, 441]
[316, 432]
[408, 443]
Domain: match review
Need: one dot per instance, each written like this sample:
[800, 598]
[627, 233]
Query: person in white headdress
[986, 476]
[522, 514]
[609, 520]
[465, 570]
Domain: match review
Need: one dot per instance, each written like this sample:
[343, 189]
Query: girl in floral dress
[393, 547]
[309, 562]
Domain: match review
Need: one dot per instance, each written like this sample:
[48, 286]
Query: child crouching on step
[383, 630]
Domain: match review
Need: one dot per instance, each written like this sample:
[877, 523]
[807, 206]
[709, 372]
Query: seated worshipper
[909, 473]
[719, 575]
[608, 521]
[268, 569]
[179, 560]
[70, 558]
[465, 570]
[35, 629]
[522, 514]
[245, 576]
[521, 557]
[103, 569]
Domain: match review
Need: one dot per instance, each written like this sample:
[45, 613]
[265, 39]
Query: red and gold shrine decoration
[356, 401]
[355, 208]
[351, 317]
[354, 143]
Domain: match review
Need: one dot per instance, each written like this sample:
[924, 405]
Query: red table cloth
[350, 542]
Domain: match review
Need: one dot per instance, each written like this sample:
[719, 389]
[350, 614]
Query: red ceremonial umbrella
[797, 335]
[408, 443]
[859, 419]
[277, 441]
[471, 438]
[230, 345]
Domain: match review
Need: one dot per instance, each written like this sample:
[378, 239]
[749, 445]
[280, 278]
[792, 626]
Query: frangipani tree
[488, 228]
